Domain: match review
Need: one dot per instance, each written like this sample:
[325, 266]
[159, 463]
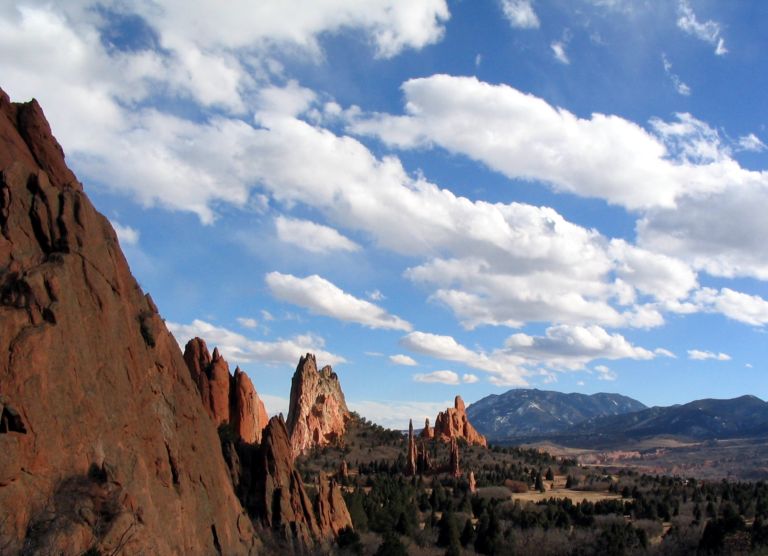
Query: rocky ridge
[228, 399]
[103, 442]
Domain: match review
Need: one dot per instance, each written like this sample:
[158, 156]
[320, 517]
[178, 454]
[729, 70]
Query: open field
[739, 459]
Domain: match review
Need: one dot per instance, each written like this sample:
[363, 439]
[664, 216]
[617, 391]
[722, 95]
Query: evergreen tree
[349, 541]
[448, 532]
[467, 534]
[392, 546]
[403, 525]
[488, 534]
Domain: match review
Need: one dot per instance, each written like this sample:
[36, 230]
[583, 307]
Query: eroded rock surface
[227, 398]
[103, 441]
[317, 412]
[453, 423]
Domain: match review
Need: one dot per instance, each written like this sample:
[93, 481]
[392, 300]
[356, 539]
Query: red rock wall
[107, 444]
[227, 398]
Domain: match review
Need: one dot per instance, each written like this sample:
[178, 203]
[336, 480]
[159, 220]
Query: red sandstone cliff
[227, 398]
[280, 500]
[317, 412]
[105, 443]
[453, 423]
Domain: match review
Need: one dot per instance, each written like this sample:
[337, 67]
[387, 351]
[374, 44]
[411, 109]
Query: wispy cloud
[752, 143]
[699, 355]
[708, 31]
[680, 87]
[520, 14]
[558, 50]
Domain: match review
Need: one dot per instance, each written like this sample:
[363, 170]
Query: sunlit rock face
[317, 412]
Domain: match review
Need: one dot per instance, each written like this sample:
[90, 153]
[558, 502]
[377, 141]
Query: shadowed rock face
[103, 440]
[453, 423]
[227, 398]
[280, 501]
[317, 413]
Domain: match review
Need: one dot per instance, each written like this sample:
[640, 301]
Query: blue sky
[437, 198]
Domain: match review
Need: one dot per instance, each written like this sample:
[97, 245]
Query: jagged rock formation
[472, 482]
[343, 470]
[423, 460]
[426, 432]
[317, 412]
[332, 512]
[453, 423]
[275, 495]
[453, 467]
[410, 466]
[103, 441]
[227, 398]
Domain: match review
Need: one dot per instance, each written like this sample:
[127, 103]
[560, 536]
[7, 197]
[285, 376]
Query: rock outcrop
[426, 432]
[410, 464]
[282, 503]
[331, 510]
[453, 466]
[317, 411]
[423, 460]
[104, 444]
[453, 423]
[227, 398]
[276, 496]
[343, 470]
[472, 482]
[247, 412]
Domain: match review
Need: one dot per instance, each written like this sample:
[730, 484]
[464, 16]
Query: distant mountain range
[745, 416]
[523, 412]
[604, 419]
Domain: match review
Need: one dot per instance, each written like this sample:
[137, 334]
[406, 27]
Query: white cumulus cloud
[442, 377]
[401, 359]
[237, 348]
[126, 234]
[247, 322]
[322, 297]
[311, 236]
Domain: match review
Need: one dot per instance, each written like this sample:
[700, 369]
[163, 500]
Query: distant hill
[533, 412]
[745, 416]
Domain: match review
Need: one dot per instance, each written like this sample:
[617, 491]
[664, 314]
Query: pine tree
[467, 534]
